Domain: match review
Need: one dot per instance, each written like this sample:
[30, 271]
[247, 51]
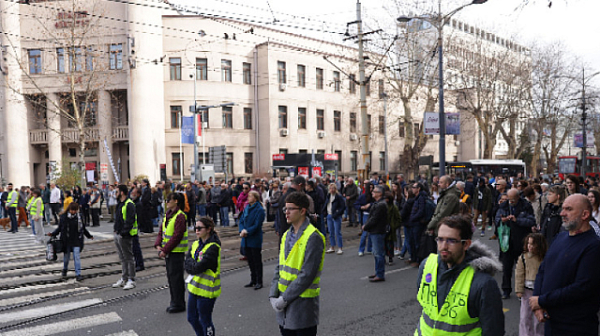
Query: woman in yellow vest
[203, 263]
[36, 210]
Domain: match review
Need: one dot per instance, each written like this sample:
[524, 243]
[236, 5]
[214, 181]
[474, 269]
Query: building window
[176, 116]
[337, 82]
[301, 117]
[76, 59]
[319, 79]
[72, 152]
[204, 120]
[352, 122]
[89, 111]
[320, 120]
[401, 129]
[369, 123]
[247, 118]
[352, 84]
[175, 66]
[368, 87]
[283, 151]
[282, 116]
[303, 151]
[281, 75]
[301, 75]
[381, 125]
[353, 161]
[337, 121]
[89, 59]
[381, 160]
[115, 61]
[247, 70]
[416, 129]
[339, 160]
[248, 163]
[320, 152]
[381, 88]
[229, 162]
[35, 61]
[227, 117]
[201, 69]
[225, 70]
[60, 60]
[177, 163]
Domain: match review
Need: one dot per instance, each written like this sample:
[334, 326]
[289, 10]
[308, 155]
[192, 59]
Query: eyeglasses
[245, 188]
[449, 241]
[290, 209]
[414, 187]
[199, 228]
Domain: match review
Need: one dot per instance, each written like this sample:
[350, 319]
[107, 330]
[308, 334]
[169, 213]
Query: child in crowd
[534, 250]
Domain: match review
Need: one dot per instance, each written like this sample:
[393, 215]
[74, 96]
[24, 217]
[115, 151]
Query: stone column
[14, 131]
[146, 95]
[105, 130]
[54, 130]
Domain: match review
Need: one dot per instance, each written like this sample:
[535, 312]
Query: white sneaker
[339, 251]
[360, 254]
[119, 283]
[330, 250]
[129, 285]
[396, 252]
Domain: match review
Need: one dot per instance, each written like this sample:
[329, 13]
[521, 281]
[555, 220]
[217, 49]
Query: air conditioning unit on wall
[321, 134]
[282, 86]
[284, 132]
[353, 137]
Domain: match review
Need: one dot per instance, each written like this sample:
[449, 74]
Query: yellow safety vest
[453, 317]
[11, 195]
[134, 230]
[34, 211]
[167, 233]
[208, 283]
[290, 268]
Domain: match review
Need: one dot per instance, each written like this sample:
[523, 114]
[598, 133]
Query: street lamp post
[439, 22]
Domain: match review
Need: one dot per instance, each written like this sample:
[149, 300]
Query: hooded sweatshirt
[484, 296]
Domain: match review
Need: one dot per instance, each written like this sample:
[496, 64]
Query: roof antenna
[273, 14]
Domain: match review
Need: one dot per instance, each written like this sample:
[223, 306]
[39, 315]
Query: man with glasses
[457, 290]
[295, 287]
[376, 226]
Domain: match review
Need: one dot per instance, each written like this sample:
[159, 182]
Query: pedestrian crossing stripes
[41, 312]
[124, 333]
[28, 298]
[69, 325]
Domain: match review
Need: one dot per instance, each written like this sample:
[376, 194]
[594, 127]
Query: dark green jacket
[448, 204]
[486, 198]
[395, 221]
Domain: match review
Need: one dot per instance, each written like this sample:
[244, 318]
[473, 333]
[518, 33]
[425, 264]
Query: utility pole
[365, 164]
[385, 137]
[584, 133]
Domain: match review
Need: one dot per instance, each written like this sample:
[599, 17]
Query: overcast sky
[574, 22]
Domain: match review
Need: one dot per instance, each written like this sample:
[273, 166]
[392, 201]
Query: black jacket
[551, 222]
[121, 226]
[71, 232]
[209, 261]
[226, 198]
[519, 229]
[337, 207]
[418, 210]
[378, 218]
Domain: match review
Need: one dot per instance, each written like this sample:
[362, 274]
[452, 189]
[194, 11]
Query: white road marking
[392, 271]
[65, 326]
[43, 311]
[36, 287]
[27, 298]
[124, 333]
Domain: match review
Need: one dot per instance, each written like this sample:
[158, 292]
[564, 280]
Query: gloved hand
[278, 304]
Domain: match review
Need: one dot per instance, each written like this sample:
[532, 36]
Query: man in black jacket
[224, 204]
[135, 243]
[144, 221]
[125, 228]
[376, 226]
[351, 194]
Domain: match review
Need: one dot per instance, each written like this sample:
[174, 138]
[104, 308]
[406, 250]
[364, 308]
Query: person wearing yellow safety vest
[203, 263]
[295, 287]
[172, 243]
[125, 228]
[12, 203]
[456, 287]
[36, 210]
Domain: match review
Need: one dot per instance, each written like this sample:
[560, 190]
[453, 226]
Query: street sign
[218, 157]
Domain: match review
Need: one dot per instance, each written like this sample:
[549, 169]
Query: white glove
[280, 303]
[273, 304]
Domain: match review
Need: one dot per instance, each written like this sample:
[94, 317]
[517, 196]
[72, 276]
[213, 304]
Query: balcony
[71, 135]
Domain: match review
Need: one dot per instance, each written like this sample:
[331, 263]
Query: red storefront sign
[278, 157]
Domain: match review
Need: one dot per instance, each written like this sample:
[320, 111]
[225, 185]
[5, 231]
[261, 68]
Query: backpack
[429, 210]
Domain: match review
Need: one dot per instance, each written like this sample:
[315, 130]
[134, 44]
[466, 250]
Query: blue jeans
[414, 235]
[379, 254]
[76, 259]
[200, 315]
[406, 246]
[12, 213]
[224, 214]
[365, 239]
[335, 231]
[32, 226]
[201, 209]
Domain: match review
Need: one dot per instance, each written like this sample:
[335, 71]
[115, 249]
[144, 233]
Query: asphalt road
[350, 305]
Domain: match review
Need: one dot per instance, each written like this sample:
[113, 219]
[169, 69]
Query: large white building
[136, 70]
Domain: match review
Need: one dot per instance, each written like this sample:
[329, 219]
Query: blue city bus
[497, 167]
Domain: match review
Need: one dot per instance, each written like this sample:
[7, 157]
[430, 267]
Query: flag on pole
[187, 130]
[112, 165]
